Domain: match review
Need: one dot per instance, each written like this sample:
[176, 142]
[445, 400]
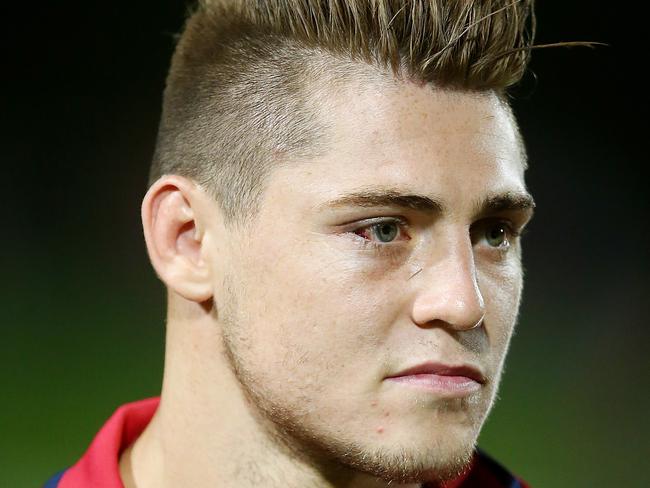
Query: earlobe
[174, 237]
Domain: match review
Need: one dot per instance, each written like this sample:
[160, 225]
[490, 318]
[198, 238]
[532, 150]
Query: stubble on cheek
[301, 390]
[260, 351]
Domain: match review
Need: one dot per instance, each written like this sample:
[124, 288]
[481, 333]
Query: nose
[448, 292]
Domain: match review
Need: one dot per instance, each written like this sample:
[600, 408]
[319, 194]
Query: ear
[174, 237]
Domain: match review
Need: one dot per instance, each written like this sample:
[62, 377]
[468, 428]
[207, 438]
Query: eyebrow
[386, 197]
[392, 197]
[503, 202]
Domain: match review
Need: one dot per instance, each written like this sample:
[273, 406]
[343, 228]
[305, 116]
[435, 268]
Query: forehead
[454, 146]
[419, 120]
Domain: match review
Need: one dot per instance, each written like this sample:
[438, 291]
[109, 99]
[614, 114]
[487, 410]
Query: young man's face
[322, 303]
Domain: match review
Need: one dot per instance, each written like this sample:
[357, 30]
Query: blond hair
[242, 87]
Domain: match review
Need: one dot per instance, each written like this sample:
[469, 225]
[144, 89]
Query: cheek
[319, 316]
[501, 288]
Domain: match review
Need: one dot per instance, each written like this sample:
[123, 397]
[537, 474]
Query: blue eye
[497, 235]
[386, 231]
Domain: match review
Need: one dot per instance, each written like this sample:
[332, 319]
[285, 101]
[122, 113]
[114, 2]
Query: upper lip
[431, 367]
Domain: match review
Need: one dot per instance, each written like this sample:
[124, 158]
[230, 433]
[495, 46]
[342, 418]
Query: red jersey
[99, 466]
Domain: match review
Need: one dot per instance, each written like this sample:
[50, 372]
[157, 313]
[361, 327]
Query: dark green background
[83, 315]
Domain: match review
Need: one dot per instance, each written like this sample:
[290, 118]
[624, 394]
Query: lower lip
[439, 383]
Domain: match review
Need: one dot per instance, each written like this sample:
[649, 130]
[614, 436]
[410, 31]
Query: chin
[408, 456]
[412, 465]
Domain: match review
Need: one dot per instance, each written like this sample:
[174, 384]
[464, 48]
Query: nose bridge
[449, 290]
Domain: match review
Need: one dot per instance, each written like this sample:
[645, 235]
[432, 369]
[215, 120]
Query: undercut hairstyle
[249, 79]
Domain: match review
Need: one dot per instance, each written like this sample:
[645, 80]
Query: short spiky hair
[245, 84]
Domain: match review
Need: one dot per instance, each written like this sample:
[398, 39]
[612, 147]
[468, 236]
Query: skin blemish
[386, 414]
[374, 404]
[380, 430]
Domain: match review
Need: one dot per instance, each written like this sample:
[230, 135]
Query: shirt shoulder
[99, 466]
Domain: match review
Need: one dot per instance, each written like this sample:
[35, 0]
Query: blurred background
[82, 323]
